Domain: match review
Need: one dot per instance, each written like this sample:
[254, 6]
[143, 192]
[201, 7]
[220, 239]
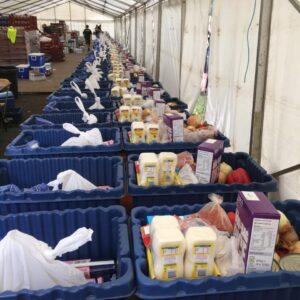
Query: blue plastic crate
[198, 193]
[50, 140]
[104, 85]
[258, 286]
[72, 94]
[26, 173]
[177, 103]
[177, 147]
[109, 241]
[104, 120]
[71, 107]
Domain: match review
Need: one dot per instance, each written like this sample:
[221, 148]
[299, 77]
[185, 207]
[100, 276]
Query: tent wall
[179, 60]
[281, 141]
[76, 17]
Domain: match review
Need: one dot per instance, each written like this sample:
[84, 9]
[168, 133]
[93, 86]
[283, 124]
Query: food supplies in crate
[144, 133]
[256, 226]
[204, 243]
[204, 170]
[153, 169]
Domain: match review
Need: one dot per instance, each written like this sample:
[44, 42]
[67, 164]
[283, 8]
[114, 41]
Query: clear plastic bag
[213, 214]
[200, 135]
[185, 158]
[228, 260]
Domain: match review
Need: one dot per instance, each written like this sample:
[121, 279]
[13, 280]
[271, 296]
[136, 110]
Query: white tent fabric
[230, 99]
[140, 29]
[194, 50]
[281, 142]
[76, 17]
[151, 39]
[132, 35]
[170, 46]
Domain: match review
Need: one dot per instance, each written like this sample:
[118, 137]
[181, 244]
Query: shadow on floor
[31, 104]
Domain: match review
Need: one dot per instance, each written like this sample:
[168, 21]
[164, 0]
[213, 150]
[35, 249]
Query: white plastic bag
[76, 88]
[27, 263]
[91, 137]
[97, 104]
[70, 181]
[87, 118]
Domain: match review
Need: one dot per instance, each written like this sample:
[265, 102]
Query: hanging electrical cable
[248, 45]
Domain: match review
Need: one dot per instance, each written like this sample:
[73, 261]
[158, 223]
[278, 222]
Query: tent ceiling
[113, 8]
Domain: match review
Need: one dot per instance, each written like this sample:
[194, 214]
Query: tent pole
[144, 36]
[70, 15]
[135, 38]
[260, 79]
[183, 15]
[158, 41]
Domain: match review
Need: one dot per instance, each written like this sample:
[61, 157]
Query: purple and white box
[174, 123]
[145, 86]
[209, 157]
[155, 93]
[255, 228]
[160, 107]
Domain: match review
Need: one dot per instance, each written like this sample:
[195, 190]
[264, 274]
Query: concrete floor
[61, 70]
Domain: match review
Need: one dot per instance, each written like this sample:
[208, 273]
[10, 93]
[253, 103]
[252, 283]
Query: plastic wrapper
[228, 260]
[199, 135]
[187, 176]
[213, 214]
[185, 158]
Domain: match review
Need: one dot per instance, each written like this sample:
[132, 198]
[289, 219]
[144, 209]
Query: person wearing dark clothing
[97, 31]
[87, 33]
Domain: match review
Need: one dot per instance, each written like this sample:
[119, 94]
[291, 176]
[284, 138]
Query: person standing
[97, 31]
[87, 33]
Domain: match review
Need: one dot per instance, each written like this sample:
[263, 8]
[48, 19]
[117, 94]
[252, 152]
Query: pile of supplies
[215, 242]
[168, 168]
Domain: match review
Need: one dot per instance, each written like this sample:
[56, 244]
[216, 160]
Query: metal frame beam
[7, 9]
[260, 79]
[104, 5]
[44, 6]
[98, 6]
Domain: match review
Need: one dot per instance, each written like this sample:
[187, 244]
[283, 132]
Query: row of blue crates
[61, 213]
[50, 140]
[113, 172]
[111, 241]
